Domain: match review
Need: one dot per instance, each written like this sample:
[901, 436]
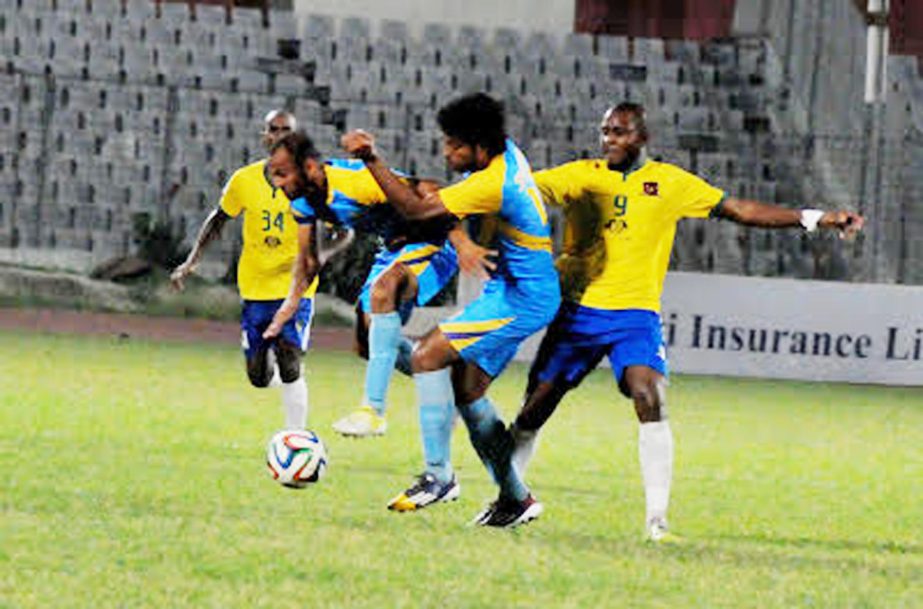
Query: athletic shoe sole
[404, 504]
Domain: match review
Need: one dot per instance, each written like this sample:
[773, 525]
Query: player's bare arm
[210, 230]
[406, 199]
[305, 269]
[755, 213]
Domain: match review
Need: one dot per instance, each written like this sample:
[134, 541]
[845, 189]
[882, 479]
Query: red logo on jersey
[651, 189]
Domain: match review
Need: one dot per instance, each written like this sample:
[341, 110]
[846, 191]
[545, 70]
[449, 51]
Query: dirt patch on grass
[151, 328]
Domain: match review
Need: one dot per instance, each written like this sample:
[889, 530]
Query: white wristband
[810, 218]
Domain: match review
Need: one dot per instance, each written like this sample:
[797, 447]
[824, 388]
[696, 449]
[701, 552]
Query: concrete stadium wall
[540, 15]
[859, 153]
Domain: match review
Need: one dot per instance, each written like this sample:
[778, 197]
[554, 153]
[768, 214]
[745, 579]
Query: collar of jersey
[639, 163]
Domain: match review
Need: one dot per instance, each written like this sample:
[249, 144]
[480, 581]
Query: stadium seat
[647, 50]
[437, 34]
[578, 45]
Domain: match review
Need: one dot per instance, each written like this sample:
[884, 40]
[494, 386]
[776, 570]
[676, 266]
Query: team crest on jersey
[272, 241]
[616, 225]
[652, 189]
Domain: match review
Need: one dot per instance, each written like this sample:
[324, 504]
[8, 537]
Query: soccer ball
[296, 458]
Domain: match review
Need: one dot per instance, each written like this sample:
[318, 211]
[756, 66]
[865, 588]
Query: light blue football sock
[404, 353]
[494, 445]
[384, 338]
[437, 413]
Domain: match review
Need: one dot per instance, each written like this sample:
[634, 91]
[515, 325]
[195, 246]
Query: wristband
[810, 218]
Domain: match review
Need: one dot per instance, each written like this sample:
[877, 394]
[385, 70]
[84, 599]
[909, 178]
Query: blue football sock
[404, 353]
[494, 445]
[384, 337]
[437, 413]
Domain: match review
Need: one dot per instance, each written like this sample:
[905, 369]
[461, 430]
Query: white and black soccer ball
[296, 457]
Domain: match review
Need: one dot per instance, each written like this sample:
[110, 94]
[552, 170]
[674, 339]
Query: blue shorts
[256, 316]
[579, 337]
[433, 265]
[489, 330]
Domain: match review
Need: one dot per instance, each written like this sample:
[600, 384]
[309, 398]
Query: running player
[621, 213]
[264, 273]
[467, 351]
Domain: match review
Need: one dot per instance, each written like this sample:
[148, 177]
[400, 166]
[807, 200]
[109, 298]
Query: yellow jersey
[270, 234]
[620, 227]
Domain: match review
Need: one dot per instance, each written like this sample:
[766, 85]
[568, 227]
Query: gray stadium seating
[163, 108]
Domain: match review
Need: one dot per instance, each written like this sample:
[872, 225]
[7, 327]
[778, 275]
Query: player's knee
[647, 402]
[427, 356]
[289, 362]
[385, 292]
[259, 373]
[422, 359]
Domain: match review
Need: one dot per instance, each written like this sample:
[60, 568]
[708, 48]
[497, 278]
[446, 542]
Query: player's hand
[274, 328]
[847, 223]
[279, 320]
[179, 274]
[476, 260]
[359, 144]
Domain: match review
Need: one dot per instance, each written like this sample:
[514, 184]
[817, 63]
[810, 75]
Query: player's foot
[658, 533]
[361, 423]
[509, 513]
[427, 490]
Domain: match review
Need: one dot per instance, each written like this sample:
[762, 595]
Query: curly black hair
[477, 120]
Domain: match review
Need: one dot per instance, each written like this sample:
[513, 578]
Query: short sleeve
[232, 201]
[364, 188]
[302, 210]
[479, 193]
[693, 196]
[557, 185]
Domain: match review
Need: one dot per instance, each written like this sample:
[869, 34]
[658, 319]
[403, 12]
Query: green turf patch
[134, 477]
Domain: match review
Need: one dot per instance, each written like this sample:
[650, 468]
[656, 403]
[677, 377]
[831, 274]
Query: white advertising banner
[732, 325]
[794, 329]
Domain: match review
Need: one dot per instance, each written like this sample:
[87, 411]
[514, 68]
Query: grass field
[134, 477]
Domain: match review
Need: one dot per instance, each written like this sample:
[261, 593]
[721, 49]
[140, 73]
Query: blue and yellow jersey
[506, 188]
[270, 237]
[354, 200]
[620, 227]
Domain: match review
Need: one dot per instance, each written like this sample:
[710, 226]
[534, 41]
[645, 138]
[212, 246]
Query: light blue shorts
[489, 330]
[433, 265]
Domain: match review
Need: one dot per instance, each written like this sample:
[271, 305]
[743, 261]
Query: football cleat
[362, 423]
[658, 533]
[509, 513]
[427, 490]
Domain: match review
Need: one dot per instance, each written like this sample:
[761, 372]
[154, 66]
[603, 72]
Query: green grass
[134, 477]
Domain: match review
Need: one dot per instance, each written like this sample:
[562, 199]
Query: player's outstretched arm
[305, 269]
[755, 213]
[210, 230]
[406, 199]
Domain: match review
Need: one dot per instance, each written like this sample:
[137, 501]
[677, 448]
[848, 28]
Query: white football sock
[655, 452]
[295, 402]
[276, 380]
[524, 448]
